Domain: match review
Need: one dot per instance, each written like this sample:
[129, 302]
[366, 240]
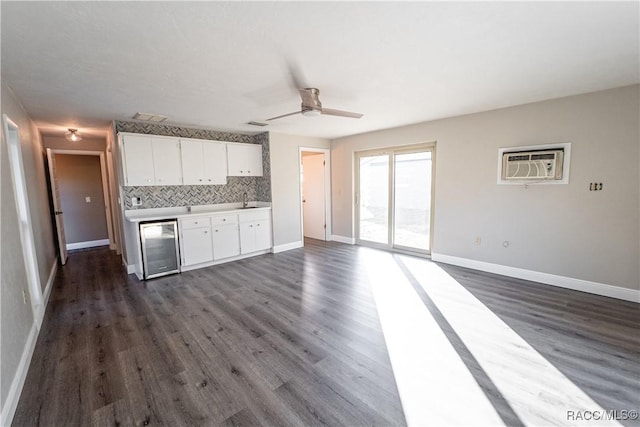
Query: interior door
[313, 193]
[57, 206]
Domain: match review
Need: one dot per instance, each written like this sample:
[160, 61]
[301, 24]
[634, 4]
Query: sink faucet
[245, 200]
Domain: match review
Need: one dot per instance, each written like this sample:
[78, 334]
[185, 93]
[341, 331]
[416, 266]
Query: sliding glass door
[394, 189]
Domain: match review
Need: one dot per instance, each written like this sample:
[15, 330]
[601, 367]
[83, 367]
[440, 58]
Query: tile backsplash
[257, 187]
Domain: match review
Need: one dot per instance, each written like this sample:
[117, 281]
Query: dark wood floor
[288, 339]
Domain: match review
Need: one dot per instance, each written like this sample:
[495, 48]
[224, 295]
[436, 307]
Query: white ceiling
[218, 65]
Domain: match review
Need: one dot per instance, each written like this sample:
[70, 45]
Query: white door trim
[12, 137]
[327, 188]
[105, 183]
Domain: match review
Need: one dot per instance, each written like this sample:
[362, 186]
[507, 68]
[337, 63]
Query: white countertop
[138, 215]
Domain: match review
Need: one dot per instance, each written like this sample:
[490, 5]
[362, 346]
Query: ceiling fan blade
[340, 113]
[296, 76]
[284, 115]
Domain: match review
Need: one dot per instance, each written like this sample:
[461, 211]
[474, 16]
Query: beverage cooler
[160, 253]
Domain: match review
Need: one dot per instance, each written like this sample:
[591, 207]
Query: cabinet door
[262, 231]
[244, 159]
[197, 246]
[192, 164]
[214, 155]
[138, 160]
[166, 161]
[247, 238]
[226, 241]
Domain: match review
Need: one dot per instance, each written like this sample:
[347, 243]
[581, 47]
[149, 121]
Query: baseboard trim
[49, 286]
[87, 244]
[342, 239]
[131, 269]
[596, 288]
[11, 404]
[288, 246]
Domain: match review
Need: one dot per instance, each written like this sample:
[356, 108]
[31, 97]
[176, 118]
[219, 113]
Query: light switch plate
[87, 199]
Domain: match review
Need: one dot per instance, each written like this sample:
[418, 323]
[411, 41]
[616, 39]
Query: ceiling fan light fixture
[72, 135]
[311, 112]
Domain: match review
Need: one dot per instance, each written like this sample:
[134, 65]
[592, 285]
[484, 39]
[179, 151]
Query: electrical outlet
[478, 240]
[136, 201]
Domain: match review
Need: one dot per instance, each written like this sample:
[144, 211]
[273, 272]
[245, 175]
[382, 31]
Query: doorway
[79, 190]
[315, 188]
[394, 200]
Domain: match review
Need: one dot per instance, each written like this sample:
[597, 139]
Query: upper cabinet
[244, 159]
[163, 160]
[204, 162]
[150, 160]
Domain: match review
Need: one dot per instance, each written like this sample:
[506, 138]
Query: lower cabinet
[255, 236]
[226, 241]
[205, 239]
[197, 246]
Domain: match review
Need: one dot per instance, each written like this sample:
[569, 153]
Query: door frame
[327, 190]
[104, 179]
[391, 152]
[19, 185]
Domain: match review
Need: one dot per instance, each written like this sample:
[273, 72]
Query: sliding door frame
[392, 152]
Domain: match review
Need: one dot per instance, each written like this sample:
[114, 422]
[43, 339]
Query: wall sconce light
[72, 135]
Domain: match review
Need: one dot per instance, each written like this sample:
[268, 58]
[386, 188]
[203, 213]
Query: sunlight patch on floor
[434, 384]
[536, 390]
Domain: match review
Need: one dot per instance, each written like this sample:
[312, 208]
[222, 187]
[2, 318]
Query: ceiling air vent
[154, 118]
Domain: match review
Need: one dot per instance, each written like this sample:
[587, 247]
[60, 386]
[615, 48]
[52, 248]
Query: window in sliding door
[373, 200]
[394, 195]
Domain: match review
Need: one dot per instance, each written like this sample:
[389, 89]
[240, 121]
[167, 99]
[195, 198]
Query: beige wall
[563, 230]
[78, 177]
[16, 318]
[285, 184]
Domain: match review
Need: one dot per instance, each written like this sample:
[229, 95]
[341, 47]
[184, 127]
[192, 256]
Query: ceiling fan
[311, 106]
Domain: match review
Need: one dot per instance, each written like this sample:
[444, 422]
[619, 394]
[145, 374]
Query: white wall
[563, 230]
[17, 324]
[285, 185]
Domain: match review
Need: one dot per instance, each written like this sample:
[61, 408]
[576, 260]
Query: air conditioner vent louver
[533, 165]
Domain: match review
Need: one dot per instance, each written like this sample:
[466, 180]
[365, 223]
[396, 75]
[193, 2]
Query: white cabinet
[151, 160]
[226, 241]
[255, 231]
[204, 162]
[166, 161]
[244, 159]
[226, 236]
[137, 154]
[196, 243]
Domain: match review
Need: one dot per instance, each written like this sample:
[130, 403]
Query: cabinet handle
[200, 179]
[206, 231]
[216, 231]
[251, 226]
[257, 225]
[248, 171]
[195, 222]
[224, 219]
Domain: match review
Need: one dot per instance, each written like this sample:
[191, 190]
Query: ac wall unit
[533, 165]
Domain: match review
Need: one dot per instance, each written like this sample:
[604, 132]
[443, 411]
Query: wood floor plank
[284, 339]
